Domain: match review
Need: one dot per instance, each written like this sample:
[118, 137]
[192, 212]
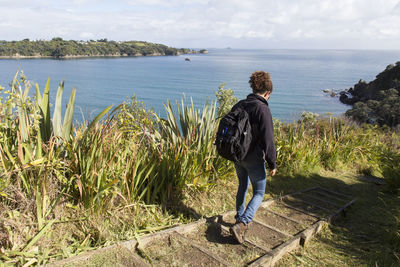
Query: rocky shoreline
[58, 48]
[378, 101]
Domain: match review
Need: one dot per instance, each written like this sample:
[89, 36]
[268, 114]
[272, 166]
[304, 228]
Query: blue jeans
[258, 177]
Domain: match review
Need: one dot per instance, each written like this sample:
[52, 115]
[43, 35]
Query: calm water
[299, 76]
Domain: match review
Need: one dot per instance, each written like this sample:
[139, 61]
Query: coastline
[91, 56]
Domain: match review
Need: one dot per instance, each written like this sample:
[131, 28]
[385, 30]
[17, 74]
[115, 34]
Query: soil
[304, 219]
[175, 251]
[323, 195]
[340, 194]
[278, 222]
[263, 236]
[299, 204]
[318, 202]
[224, 245]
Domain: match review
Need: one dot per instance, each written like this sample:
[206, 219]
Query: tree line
[59, 48]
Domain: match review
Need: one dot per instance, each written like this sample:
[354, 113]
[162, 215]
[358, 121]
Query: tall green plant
[188, 154]
[226, 99]
[57, 127]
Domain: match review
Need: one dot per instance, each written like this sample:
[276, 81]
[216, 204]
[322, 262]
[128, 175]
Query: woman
[262, 149]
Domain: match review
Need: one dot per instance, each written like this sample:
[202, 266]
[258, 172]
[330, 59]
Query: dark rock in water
[347, 98]
[331, 92]
[343, 97]
[187, 59]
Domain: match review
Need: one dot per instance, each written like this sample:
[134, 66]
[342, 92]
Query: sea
[299, 78]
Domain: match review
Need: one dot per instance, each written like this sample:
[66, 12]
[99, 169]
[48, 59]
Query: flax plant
[187, 145]
[28, 127]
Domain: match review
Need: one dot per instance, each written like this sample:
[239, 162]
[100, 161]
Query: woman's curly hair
[260, 82]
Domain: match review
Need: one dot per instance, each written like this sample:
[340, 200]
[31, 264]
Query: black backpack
[234, 134]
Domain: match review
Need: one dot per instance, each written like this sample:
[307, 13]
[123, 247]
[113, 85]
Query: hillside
[66, 189]
[59, 48]
[376, 102]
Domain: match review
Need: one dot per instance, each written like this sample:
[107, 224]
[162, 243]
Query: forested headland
[59, 48]
[376, 102]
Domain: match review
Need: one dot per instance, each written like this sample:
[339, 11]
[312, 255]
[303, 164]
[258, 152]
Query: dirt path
[280, 226]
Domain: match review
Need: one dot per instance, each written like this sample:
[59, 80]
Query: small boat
[187, 59]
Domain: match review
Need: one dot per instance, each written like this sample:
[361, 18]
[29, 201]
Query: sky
[252, 24]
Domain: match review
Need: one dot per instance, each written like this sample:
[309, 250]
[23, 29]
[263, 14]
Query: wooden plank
[282, 216]
[142, 242]
[267, 250]
[226, 229]
[341, 210]
[272, 228]
[296, 193]
[327, 195]
[315, 205]
[310, 232]
[291, 244]
[334, 192]
[77, 260]
[323, 200]
[226, 214]
[80, 257]
[273, 256]
[130, 244]
[301, 210]
[204, 250]
[298, 240]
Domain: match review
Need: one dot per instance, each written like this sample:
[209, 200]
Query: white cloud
[251, 23]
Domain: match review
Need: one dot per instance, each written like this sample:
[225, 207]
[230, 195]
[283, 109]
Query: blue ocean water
[299, 76]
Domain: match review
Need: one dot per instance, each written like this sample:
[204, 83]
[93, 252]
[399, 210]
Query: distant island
[376, 102]
[59, 48]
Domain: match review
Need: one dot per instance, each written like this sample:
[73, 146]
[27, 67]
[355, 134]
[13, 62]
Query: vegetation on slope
[376, 102]
[59, 48]
[65, 190]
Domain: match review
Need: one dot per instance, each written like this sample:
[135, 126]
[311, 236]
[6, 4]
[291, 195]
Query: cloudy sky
[326, 24]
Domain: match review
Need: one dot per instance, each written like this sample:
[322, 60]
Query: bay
[299, 76]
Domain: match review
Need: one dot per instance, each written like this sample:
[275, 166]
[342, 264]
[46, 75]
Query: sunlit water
[299, 76]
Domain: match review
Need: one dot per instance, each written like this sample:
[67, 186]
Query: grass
[363, 238]
[366, 236]
[134, 173]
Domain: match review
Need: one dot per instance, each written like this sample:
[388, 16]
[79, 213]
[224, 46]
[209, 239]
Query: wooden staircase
[280, 225]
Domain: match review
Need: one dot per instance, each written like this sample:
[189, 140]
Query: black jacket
[262, 147]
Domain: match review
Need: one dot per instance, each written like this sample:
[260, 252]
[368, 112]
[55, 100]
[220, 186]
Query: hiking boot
[247, 225]
[238, 231]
